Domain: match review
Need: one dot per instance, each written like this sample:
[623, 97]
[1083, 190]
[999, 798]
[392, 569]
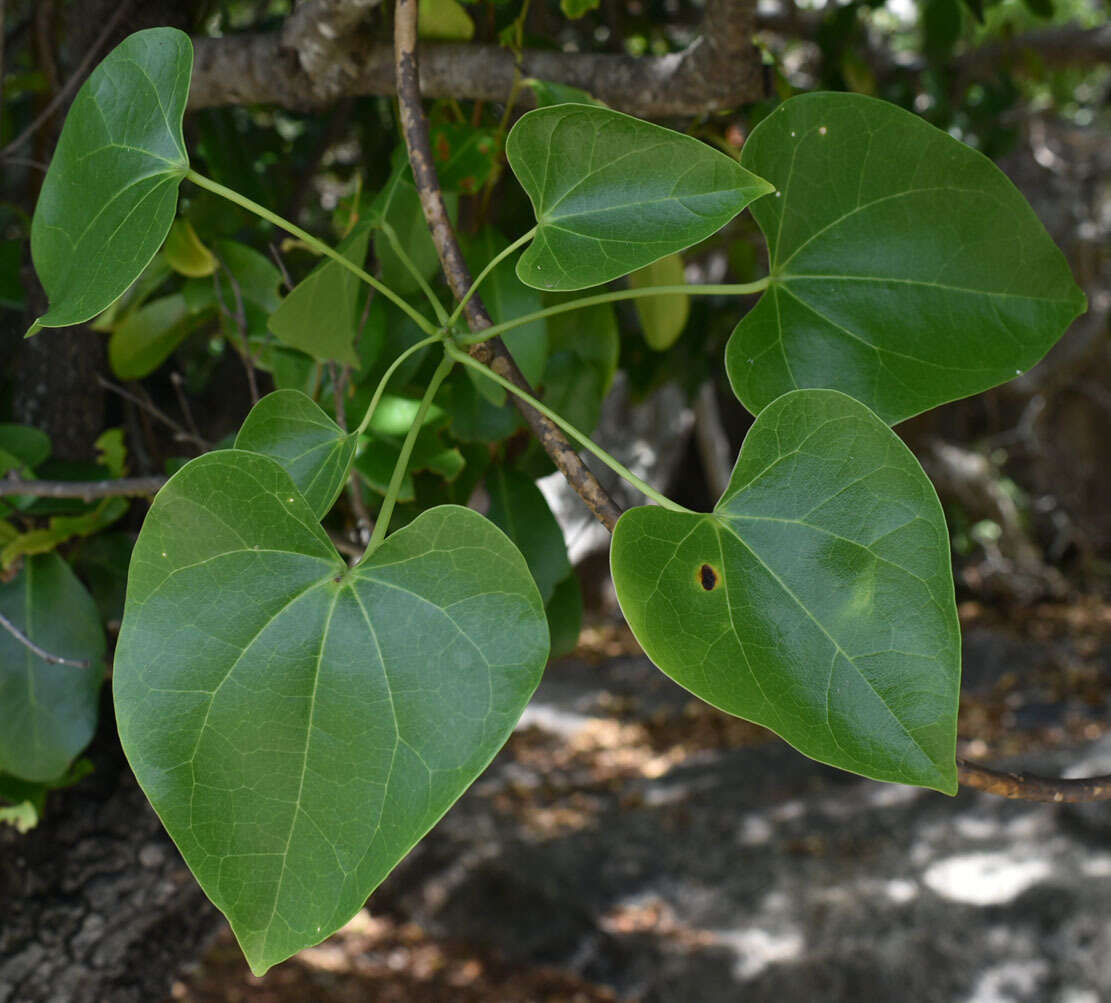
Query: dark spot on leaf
[467, 185]
[707, 577]
[443, 147]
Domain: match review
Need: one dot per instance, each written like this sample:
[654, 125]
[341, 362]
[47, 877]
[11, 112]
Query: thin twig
[280, 262]
[46, 656]
[86, 490]
[1024, 787]
[75, 79]
[712, 441]
[181, 434]
[492, 353]
[345, 546]
[339, 389]
[239, 319]
[35, 165]
[187, 411]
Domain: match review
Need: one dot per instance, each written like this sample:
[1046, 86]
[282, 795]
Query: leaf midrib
[784, 280]
[724, 521]
[304, 764]
[861, 207]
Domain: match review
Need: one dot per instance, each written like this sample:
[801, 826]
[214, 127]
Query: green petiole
[584, 440]
[745, 289]
[381, 388]
[317, 245]
[383, 521]
[407, 262]
[494, 262]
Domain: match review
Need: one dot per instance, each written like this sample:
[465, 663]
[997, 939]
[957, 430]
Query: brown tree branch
[492, 353]
[719, 69]
[319, 31]
[85, 490]
[1024, 787]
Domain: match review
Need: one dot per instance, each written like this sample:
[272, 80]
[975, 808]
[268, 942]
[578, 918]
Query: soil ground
[631, 844]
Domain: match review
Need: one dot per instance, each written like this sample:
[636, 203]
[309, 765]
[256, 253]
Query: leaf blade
[643, 192]
[320, 315]
[817, 598]
[50, 710]
[297, 745]
[110, 193]
[889, 280]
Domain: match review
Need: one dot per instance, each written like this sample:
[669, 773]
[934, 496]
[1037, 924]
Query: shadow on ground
[629, 844]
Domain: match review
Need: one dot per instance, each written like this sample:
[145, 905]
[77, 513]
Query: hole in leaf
[707, 577]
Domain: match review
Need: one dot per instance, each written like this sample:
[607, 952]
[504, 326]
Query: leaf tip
[258, 967]
[33, 330]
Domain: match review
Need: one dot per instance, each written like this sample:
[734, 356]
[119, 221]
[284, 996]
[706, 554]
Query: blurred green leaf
[50, 710]
[444, 21]
[185, 253]
[148, 335]
[320, 316]
[519, 509]
[662, 318]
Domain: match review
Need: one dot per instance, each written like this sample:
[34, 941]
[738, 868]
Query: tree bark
[720, 69]
[96, 904]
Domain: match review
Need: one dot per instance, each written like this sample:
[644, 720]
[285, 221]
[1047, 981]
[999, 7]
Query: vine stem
[381, 388]
[746, 289]
[494, 262]
[383, 522]
[1026, 787]
[316, 244]
[584, 440]
[492, 353]
[437, 306]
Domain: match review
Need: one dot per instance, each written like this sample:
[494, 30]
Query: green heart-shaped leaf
[816, 599]
[299, 725]
[109, 197]
[292, 428]
[612, 193]
[49, 711]
[906, 269]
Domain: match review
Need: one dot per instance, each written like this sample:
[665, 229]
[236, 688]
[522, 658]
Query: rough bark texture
[720, 69]
[56, 389]
[96, 905]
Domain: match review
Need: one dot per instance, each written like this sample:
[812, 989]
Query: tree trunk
[96, 904]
